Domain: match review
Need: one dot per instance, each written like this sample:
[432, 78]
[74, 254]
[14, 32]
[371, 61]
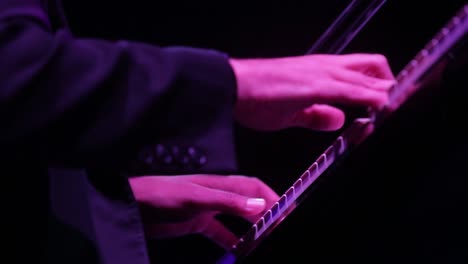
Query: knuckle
[235, 177]
[233, 200]
[380, 59]
[253, 185]
[255, 181]
[247, 179]
[225, 197]
[258, 186]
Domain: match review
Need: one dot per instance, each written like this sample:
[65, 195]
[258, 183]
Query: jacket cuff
[198, 134]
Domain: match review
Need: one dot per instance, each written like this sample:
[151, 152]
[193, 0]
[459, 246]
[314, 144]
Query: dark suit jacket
[74, 111]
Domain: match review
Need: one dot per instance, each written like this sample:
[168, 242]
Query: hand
[304, 91]
[174, 206]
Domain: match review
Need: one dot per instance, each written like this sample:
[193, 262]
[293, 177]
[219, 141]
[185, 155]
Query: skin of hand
[173, 206]
[272, 94]
[306, 91]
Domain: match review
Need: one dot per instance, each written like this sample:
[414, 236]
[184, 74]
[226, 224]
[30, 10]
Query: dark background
[402, 197]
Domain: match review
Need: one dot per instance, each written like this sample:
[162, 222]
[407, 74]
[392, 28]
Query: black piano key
[321, 162]
[282, 202]
[275, 210]
[267, 218]
[290, 195]
[306, 180]
[260, 225]
[298, 187]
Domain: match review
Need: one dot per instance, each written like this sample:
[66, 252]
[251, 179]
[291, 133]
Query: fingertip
[381, 102]
[337, 122]
[255, 205]
[379, 84]
[387, 84]
[323, 118]
[218, 233]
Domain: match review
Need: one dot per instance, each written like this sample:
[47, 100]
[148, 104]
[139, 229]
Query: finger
[346, 93]
[171, 230]
[399, 100]
[371, 64]
[205, 225]
[368, 129]
[228, 202]
[359, 78]
[219, 234]
[243, 185]
[374, 70]
[319, 117]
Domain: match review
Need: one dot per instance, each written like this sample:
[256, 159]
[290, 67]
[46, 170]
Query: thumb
[230, 203]
[319, 117]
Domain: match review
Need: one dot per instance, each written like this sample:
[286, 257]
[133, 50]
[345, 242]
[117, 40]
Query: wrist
[245, 79]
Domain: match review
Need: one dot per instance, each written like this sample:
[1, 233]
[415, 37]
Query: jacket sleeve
[79, 102]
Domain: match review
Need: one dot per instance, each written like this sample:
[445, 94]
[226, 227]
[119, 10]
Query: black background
[400, 198]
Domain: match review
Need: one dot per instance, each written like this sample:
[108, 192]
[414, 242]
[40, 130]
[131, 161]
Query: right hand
[173, 206]
[304, 91]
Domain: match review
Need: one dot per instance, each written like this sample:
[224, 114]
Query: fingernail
[255, 204]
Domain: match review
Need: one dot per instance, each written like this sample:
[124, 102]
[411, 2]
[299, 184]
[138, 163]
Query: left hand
[175, 206]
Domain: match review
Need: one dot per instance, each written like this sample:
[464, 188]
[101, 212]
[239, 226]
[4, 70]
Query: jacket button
[201, 161]
[192, 152]
[160, 150]
[196, 158]
[175, 151]
[168, 159]
[146, 157]
[185, 161]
